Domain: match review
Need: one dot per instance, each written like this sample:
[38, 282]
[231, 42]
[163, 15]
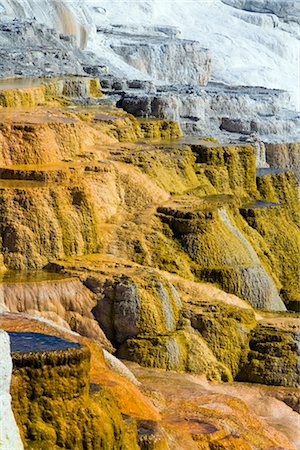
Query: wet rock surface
[197, 412]
[37, 342]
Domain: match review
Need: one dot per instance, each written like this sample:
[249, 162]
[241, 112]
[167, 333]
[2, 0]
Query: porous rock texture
[120, 227]
[181, 255]
[194, 412]
[273, 356]
[285, 155]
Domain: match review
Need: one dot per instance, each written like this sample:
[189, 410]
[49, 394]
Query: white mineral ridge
[260, 47]
[245, 53]
[9, 432]
[119, 367]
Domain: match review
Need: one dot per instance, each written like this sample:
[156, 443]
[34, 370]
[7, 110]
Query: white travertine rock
[163, 58]
[119, 367]
[9, 434]
[252, 42]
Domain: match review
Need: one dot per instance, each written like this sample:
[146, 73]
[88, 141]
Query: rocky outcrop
[182, 351]
[69, 193]
[28, 92]
[280, 228]
[64, 301]
[191, 409]
[127, 202]
[127, 308]
[69, 18]
[138, 225]
[273, 357]
[146, 319]
[173, 323]
[225, 329]
[285, 10]
[159, 55]
[30, 49]
[224, 257]
[212, 110]
[286, 155]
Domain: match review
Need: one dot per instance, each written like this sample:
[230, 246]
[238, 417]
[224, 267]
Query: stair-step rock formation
[29, 92]
[163, 57]
[228, 112]
[115, 227]
[59, 371]
[169, 322]
[61, 381]
[276, 348]
[73, 171]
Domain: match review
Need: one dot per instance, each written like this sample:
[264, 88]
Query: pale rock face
[163, 58]
[24, 45]
[9, 434]
[245, 51]
[66, 302]
[285, 155]
[252, 42]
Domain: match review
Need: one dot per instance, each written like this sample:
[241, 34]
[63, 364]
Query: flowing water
[227, 221]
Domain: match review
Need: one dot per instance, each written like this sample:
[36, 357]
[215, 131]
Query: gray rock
[118, 308]
[236, 125]
[159, 106]
[226, 112]
[126, 311]
[288, 10]
[30, 49]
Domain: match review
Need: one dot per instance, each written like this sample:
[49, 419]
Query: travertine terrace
[149, 235]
